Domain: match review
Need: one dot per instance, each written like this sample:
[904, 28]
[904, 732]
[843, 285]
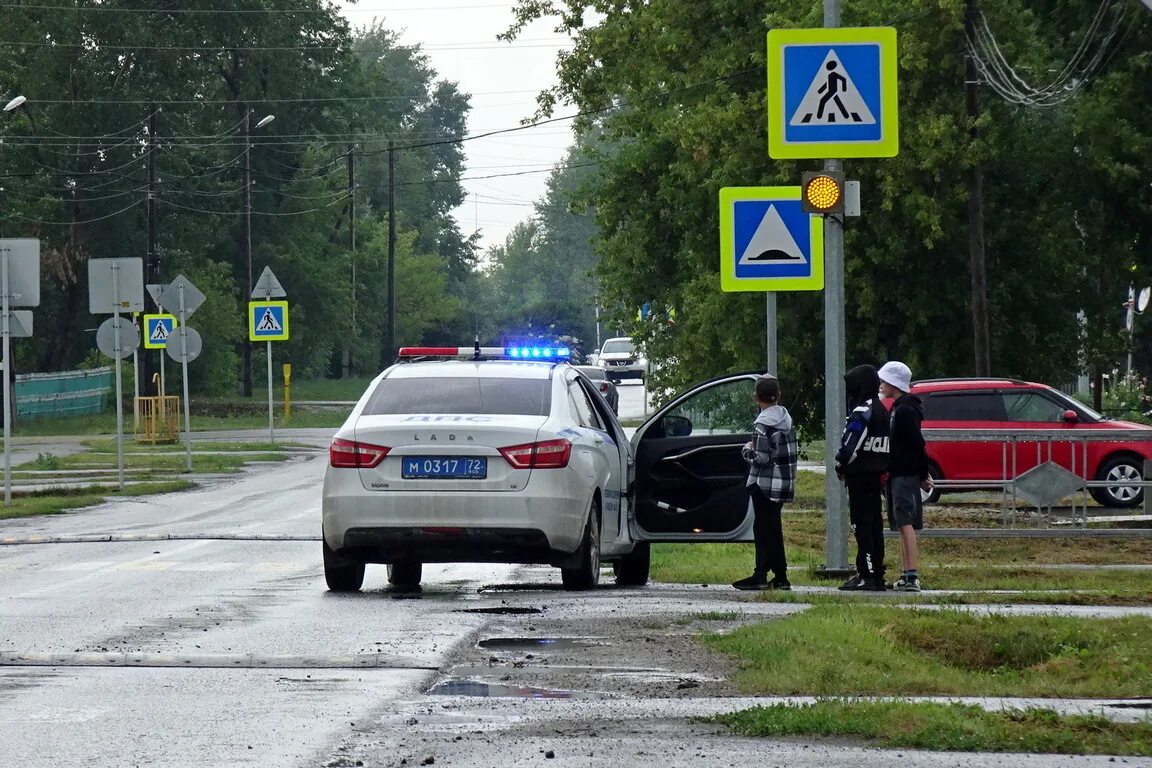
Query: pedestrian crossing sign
[832, 93]
[268, 321]
[157, 329]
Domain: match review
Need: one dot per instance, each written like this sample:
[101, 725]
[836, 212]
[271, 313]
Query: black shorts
[905, 504]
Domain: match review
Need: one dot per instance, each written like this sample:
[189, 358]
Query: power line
[300, 100]
[97, 46]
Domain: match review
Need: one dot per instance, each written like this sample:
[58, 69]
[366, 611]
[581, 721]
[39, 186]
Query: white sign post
[266, 289]
[20, 259]
[184, 343]
[115, 286]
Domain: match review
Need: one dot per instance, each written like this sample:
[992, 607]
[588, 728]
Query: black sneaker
[855, 584]
[875, 584]
[752, 582]
[782, 584]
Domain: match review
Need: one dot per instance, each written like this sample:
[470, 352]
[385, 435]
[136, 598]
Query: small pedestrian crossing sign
[268, 320]
[832, 92]
[157, 329]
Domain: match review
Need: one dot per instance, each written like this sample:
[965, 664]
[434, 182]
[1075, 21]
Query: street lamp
[247, 349]
[14, 103]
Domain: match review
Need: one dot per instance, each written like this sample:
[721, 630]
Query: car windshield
[1076, 405]
[519, 397]
[613, 346]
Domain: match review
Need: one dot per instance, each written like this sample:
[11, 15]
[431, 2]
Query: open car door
[690, 475]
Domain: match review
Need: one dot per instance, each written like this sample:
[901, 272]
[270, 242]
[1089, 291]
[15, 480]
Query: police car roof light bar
[477, 352]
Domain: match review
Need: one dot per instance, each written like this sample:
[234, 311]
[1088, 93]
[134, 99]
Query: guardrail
[1058, 469]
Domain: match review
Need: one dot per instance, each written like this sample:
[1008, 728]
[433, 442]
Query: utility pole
[835, 405]
[390, 337]
[981, 344]
[152, 262]
[352, 246]
[246, 349]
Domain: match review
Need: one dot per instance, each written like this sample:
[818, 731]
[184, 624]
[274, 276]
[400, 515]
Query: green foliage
[683, 114]
[861, 650]
[946, 727]
[76, 157]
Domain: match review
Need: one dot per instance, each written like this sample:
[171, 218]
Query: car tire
[406, 573]
[341, 574]
[1120, 468]
[586, 575]
[632, 569]
[932, 496]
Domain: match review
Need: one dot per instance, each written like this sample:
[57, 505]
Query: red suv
[1012, 404]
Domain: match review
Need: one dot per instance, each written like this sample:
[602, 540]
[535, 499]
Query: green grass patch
[108, 445]
[951, 727]
[58, 501]
[105, 423]
[320, 389]
[162, 463]
[841, 650]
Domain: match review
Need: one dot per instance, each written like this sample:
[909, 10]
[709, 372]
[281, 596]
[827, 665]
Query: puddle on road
[498, 690]
[510, 610]
[525, 587]
[534, 643]
[1143, 704]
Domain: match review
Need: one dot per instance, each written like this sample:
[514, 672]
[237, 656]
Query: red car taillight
[547, 454]
[350, 454]
[604, 387]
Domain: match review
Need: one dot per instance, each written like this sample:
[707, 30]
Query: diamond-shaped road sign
[1047, 483]
[169, 296]
[268, 287]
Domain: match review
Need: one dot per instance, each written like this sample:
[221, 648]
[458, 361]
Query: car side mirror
[676, 426]
[1071, 417]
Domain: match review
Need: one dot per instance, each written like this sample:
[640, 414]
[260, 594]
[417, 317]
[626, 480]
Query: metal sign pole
[184, 370]
[7, 387]
[271, 434]
[770, 326]
[836, 528]
[119, 379]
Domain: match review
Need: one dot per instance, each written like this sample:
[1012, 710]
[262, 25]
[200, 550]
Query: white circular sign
[184, 344]
[106, 337]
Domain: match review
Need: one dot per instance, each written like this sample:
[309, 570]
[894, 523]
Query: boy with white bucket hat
[907, 468]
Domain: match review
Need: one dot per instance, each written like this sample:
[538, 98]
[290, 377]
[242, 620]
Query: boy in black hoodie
[907, 468]
[861, 462]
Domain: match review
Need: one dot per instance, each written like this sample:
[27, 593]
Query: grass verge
[855, 650]
[58, 501]
[162, 463]
[953, 727]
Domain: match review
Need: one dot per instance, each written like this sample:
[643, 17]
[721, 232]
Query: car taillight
[547, 454]
[351, 454]
[604, 387]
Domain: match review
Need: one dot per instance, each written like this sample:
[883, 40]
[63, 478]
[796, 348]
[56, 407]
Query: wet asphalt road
[80, 620]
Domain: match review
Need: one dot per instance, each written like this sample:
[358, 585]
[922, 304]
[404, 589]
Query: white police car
[459, 457]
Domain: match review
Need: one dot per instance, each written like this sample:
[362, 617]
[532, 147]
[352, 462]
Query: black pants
[769, 534]
[866, 512]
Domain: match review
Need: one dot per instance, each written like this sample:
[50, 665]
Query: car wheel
[341, 574]
[932, 496]
[405, 574]
[632, 569]
[587, 574]
[1119, 470]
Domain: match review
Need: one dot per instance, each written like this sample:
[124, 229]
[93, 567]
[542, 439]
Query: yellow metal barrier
[159, 419]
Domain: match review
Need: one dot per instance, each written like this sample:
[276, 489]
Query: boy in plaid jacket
[771, 457]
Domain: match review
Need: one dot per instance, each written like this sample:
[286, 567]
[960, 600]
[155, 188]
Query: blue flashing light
[538, 353]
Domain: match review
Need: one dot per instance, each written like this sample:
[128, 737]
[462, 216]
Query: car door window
[585, 412]
[964, 406]
[725, 409]
[1031, 406]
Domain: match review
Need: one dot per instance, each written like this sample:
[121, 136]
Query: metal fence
[66, 393]
[1043, 467]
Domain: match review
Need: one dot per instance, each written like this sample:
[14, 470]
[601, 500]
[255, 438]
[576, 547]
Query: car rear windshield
[618, 345]
[519, 397]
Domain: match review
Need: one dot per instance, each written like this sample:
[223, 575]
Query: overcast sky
[459, 38]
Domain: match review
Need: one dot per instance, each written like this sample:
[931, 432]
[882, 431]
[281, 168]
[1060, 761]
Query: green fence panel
[66, 393]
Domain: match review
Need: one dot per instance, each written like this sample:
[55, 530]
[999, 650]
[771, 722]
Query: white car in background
[621, 360]
[521, 461]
